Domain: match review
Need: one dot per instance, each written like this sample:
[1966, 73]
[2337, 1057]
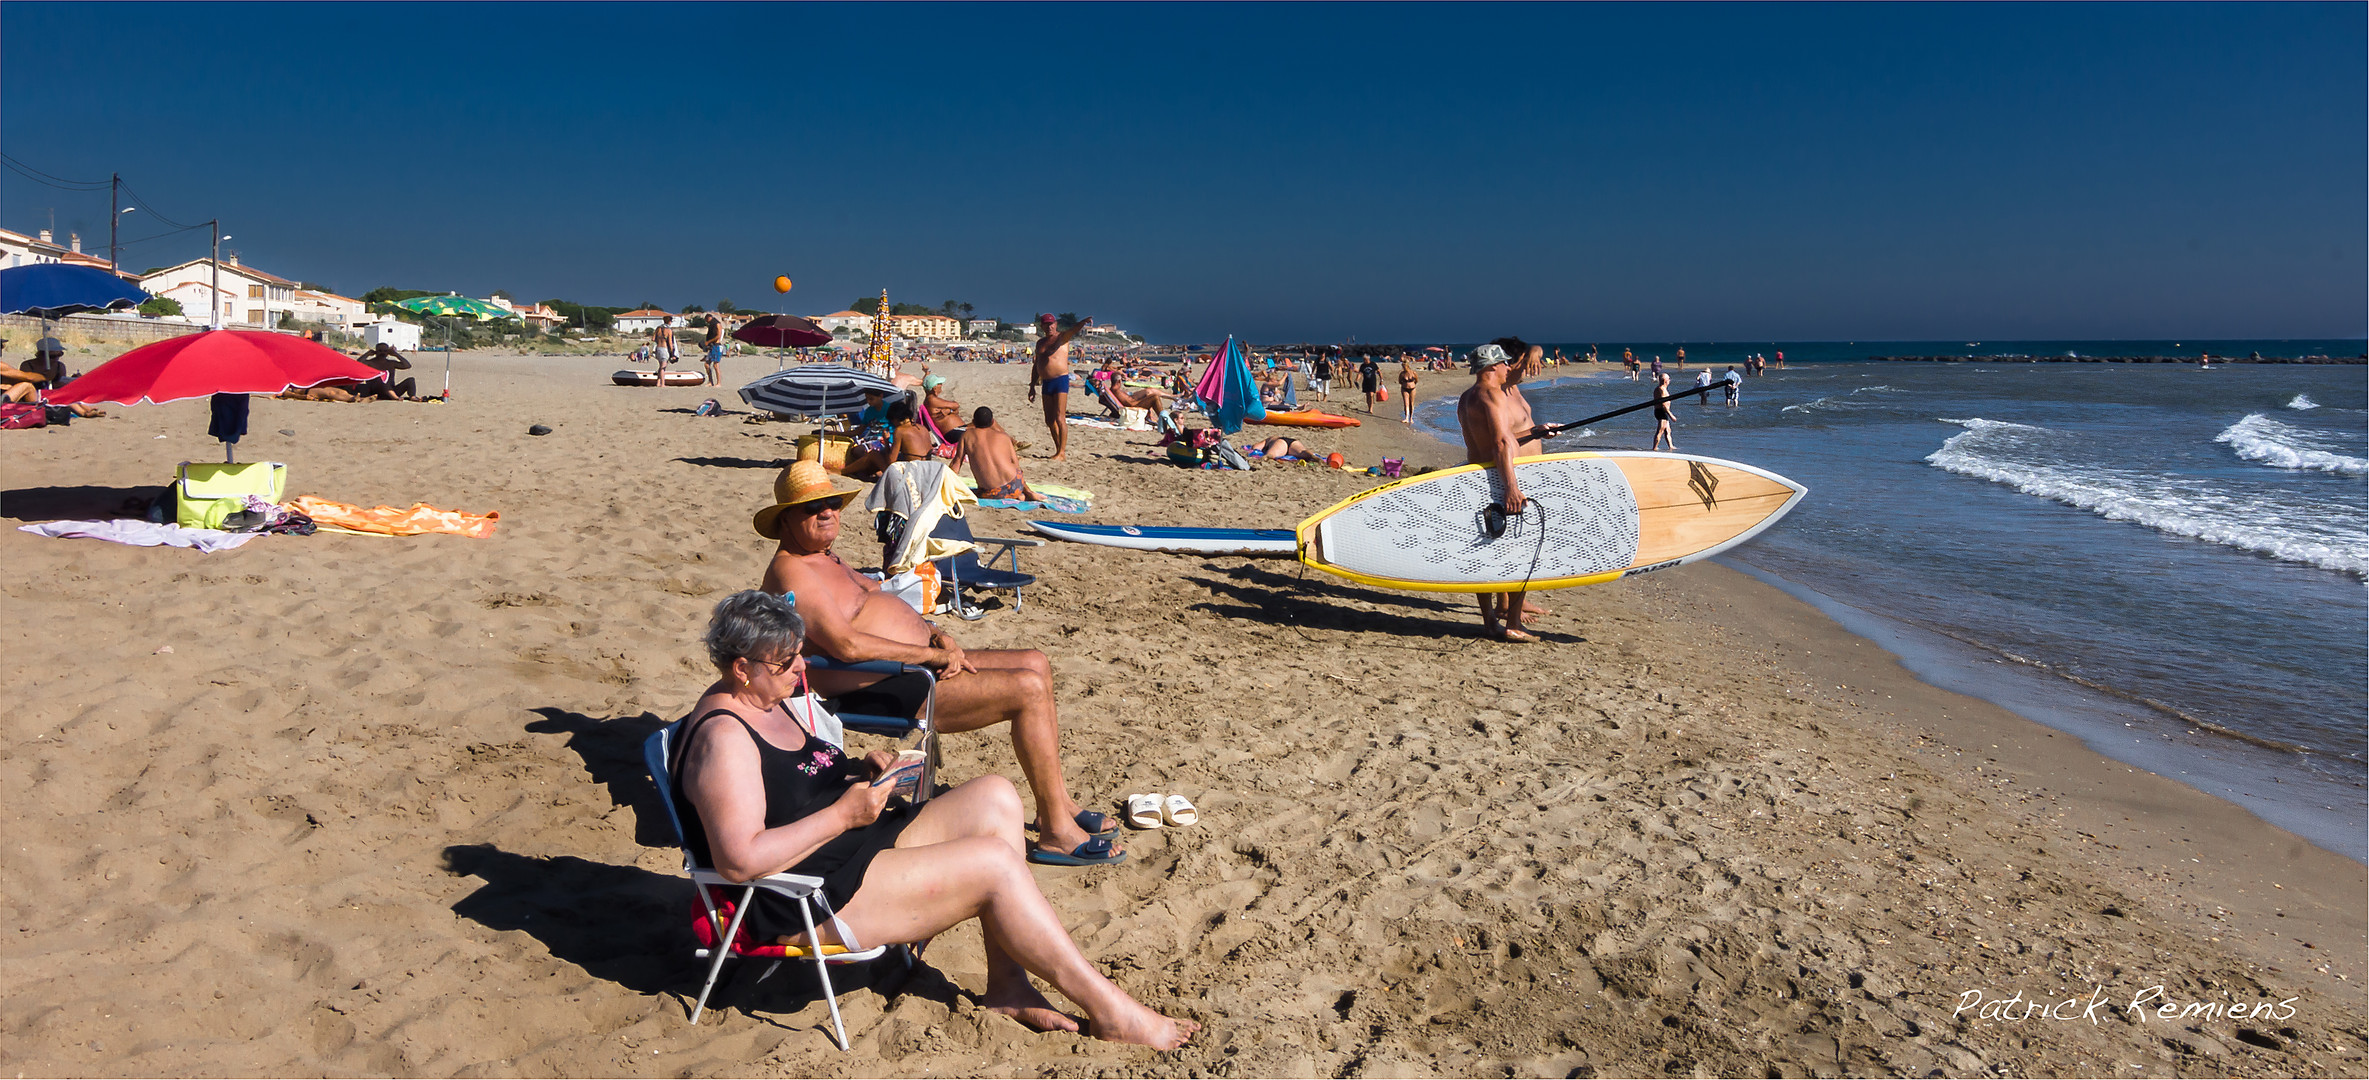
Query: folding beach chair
[899, 706]
[966, 569]
[717, 922]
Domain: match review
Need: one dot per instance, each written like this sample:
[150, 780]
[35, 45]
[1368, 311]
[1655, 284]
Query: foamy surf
[2260, 438]
[2047, 463]
[2301, 402]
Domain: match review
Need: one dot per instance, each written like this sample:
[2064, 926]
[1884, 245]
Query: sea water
[2171, 563]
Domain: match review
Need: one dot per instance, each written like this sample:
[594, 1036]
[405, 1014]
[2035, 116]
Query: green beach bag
[205, 494]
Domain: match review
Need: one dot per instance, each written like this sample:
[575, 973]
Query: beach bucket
[830, 449]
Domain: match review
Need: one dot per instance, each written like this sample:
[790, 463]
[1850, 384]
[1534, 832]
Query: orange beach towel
[388, 521]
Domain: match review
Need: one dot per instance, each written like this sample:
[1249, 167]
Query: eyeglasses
[809, 509]
[777, 667]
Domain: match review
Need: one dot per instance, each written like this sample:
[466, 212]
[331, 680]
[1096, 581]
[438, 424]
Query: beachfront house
[641, 321]
[249, 296]
[329, 309]
[17, 249]
[925, 327]
[539, 316]
[843, 320]
[981, 327]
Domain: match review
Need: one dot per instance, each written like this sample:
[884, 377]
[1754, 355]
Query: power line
[143, 204]
[47, 180]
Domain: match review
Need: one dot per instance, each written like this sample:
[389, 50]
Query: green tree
[314, 286]
[1069, 319]
[690, 309]
[386, 295]
[504, 294]
[868, 305]
[649, 305]
[161, 305]
[909, 309]
[967, 309]
[726, 306]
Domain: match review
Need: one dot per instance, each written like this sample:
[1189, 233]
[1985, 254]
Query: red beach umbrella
[782, 331]
[212, 362]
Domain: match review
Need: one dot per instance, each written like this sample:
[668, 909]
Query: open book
[905, 772]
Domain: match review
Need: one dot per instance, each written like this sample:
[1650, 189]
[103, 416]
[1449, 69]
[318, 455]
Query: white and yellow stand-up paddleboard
[1593, 517]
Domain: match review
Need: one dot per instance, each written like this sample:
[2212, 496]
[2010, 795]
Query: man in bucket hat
[849, 619]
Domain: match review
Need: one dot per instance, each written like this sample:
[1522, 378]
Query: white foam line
[2301, 402]
[2260, 438]
[2173, 505]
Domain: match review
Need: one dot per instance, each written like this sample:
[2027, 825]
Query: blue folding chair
[721, 937]
[957, 571]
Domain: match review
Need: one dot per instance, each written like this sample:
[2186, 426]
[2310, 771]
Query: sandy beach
[352, 805]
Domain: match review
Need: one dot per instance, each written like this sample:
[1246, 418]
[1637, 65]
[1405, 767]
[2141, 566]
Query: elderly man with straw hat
[849, 619]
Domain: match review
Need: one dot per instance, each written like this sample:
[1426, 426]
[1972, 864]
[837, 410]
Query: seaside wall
[94, 329]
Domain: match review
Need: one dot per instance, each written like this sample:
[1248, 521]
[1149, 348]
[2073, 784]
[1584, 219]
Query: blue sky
[1394, 172]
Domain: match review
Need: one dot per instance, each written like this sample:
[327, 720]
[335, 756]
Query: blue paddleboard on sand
[1177, 538]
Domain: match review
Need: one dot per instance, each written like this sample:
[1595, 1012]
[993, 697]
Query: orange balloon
[781, 284]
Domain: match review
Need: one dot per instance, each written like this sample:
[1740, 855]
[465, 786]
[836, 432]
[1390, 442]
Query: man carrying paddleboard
[1498, 428]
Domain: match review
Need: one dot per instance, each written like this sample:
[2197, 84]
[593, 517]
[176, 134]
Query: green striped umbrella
[454, 305]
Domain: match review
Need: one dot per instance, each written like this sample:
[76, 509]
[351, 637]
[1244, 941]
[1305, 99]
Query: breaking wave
[2053, 465]
[2283, 446]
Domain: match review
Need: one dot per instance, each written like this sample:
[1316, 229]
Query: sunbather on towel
[1284, 447]
[994, 460]
[849, 619]
[760, 793]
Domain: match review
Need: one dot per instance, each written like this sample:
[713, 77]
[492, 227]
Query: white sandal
[1143, 811]
[1178, 811]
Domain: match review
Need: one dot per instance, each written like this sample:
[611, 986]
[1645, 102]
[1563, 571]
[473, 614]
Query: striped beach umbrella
[815, 390]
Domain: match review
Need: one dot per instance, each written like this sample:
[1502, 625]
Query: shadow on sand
[1316, 602]
[81, 503]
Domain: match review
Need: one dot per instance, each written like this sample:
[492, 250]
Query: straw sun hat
[803, 482]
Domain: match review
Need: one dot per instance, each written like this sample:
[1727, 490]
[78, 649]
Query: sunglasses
[777, 667]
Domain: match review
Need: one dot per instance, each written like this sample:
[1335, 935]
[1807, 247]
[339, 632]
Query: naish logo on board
[1651, 569]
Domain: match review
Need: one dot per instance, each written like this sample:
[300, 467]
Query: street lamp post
[115, 250]
[214, 301]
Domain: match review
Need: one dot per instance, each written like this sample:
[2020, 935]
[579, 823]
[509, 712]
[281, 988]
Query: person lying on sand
[323, 392]
[994, 459]
[849, 619]
[895, 874]
[1284, 448]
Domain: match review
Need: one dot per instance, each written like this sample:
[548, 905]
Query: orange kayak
[1308, 418]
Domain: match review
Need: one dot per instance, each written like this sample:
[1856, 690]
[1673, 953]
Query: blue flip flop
[1097, 823]
[1095, 852]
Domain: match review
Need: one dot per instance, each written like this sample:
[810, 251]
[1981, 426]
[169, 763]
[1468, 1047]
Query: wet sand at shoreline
[380, 809]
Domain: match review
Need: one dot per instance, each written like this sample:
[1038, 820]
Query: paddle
[1548, 431]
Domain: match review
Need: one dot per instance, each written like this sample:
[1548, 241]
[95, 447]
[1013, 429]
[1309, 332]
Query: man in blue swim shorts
[1051, 369]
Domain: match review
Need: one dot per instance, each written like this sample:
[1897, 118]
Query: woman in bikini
[1406, 388]
[759, 793]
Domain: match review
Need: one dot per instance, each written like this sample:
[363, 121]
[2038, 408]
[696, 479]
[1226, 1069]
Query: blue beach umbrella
[52, 290]
[1227, 392]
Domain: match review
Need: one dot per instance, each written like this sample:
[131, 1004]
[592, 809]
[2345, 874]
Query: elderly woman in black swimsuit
[760, 794]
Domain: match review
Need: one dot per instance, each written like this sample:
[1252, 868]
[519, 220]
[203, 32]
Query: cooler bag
[206, 494]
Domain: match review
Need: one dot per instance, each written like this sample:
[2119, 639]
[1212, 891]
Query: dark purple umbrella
[782, 332]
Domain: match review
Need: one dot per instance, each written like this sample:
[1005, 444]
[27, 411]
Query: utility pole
[114, 203]
[214, 301]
